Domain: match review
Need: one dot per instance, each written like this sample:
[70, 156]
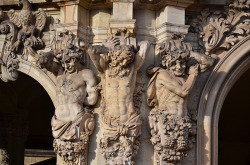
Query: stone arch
[224, 75]
[37, 74]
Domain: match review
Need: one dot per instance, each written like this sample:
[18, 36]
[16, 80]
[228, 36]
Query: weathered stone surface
[72, 123]
[168, 89]
[118, 62]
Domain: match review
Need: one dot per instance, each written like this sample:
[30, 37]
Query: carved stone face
[122, 56]
[178, 67]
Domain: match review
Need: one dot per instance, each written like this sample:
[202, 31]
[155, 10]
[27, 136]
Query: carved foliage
[170, 136]
[224, 29]
[8, 60]
[72, 151]
[168, 89]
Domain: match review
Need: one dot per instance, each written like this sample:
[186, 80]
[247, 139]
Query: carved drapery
[118, 61]
[170, 123]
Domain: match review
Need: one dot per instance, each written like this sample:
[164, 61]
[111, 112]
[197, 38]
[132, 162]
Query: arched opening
[224, 76]
[26, 110]
[234, 125]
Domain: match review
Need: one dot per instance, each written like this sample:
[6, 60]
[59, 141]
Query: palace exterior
[124, 82]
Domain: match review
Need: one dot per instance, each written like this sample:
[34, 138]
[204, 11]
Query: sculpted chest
[69, 83]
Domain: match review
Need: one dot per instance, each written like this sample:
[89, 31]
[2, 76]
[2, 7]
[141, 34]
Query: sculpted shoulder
[164, 75]
[88, 74]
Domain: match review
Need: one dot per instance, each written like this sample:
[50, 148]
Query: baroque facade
[131, 81]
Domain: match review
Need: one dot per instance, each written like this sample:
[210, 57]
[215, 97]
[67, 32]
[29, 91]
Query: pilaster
[74, 18]
[122, 16]
[170, 19]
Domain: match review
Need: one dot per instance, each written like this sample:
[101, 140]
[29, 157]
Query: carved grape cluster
[170, 135]
[69, 151]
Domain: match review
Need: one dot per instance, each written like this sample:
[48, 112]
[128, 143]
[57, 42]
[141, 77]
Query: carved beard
[119, 65]
[118, 71]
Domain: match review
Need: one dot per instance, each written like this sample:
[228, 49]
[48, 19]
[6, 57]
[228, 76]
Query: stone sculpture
[31, 25]
[167, 91]
[223, 29]
[72, 123]
[118, 61]
[8, 59]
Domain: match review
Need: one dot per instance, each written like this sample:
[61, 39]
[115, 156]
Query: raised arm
[204, 61]
[172, 85]
[95, 55]
[46, 59]
[141, 55]
[91, 90]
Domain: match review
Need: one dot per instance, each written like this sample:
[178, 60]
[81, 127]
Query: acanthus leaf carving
[118, 61]
[170, 123]
[223, 29]
[8, 59]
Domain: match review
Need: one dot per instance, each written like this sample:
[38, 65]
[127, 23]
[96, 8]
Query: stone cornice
[107, 4]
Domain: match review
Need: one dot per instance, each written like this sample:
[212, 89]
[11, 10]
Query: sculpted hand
[111, 42]
[194, 70]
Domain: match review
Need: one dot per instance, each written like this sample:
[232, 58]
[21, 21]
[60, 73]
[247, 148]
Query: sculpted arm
[141, 55]
[204, 61]
[92, 94]
[168, 82]
[46, 59]
[95, 55]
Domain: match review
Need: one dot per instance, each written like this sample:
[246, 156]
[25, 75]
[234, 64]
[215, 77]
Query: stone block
[122, 11]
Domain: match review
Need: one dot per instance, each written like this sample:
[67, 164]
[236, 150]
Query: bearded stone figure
[72, 123]
[167, 93]
[118, 62]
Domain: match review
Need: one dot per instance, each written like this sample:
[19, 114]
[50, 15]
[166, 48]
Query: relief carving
[23, 28]
[118, 61]
[8, 59]
[31, 24]
[76, 86]
[224, 29]
[170, 122]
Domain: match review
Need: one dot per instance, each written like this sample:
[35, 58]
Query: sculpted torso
[119, 96]
[168, 99]
[71, 93]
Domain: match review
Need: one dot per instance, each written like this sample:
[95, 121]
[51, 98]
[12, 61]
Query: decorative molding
[118, 61]
[170, 123]
[8, 59]
[224, 29]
